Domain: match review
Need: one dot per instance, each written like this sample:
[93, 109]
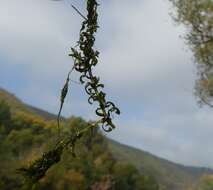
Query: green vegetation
[24, 138]
[85, 59]
[205, 183]
[169, 175]
[100, 163]
[197, 16]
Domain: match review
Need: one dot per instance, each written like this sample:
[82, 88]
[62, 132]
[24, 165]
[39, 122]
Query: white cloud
[38, 33]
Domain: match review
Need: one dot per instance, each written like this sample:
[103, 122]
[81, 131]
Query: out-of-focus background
[148, 71]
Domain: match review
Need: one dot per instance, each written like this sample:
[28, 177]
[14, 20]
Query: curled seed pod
[92, 99]
[99, 112]
[106, 127]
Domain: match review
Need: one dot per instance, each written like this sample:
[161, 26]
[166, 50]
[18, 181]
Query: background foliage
[197, 15]
[24, 136]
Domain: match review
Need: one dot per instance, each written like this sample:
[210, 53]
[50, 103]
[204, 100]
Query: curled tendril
[85, 58]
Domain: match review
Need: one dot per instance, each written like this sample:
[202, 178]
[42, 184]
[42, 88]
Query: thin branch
[82, 132]
[78, 12]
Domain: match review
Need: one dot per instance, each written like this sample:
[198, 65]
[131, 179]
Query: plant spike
[85, 58]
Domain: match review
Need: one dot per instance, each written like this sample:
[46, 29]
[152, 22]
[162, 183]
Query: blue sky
[145, 65]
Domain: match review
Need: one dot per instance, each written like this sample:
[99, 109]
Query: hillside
[169, 175]
[26, 136]
[17, 105]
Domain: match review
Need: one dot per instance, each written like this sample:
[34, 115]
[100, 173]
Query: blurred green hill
[101, 164]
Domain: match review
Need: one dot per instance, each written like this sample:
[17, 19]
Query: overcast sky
[145, 65]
